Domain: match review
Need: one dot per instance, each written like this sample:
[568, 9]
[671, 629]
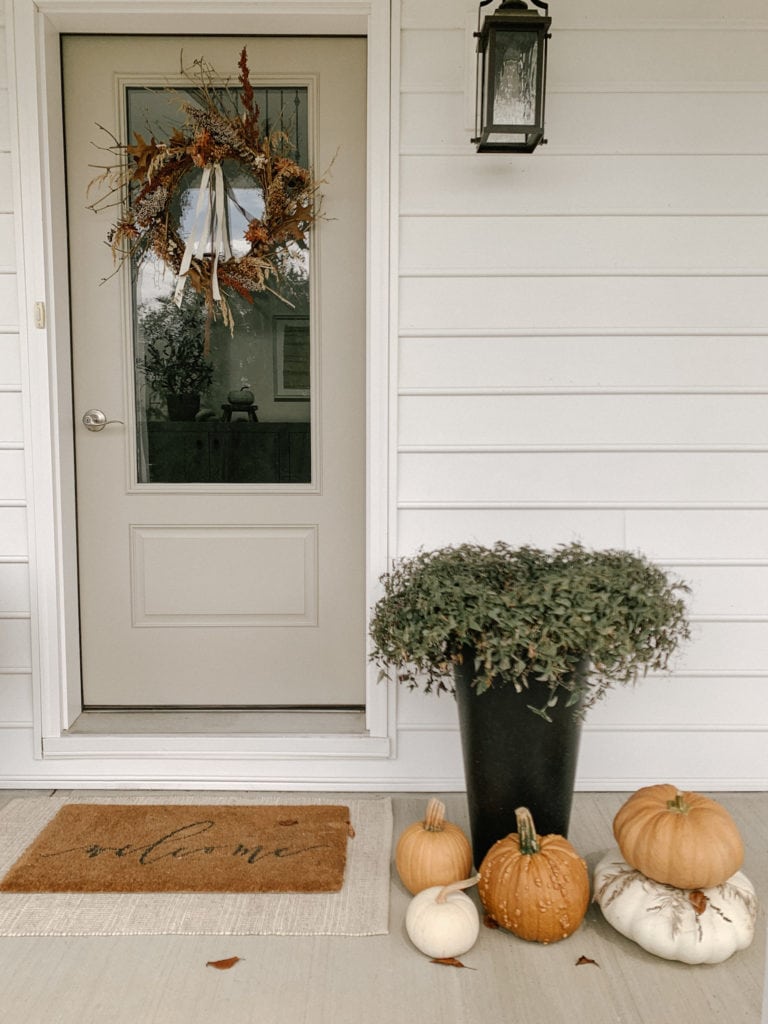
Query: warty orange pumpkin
[535, 886]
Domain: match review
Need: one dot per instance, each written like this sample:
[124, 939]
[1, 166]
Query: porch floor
[381, 979]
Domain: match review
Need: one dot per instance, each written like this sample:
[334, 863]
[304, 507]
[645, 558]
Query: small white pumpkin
[441, 921]
[696, 926]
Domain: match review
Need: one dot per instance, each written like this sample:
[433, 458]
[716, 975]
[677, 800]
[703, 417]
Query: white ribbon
[209, 230]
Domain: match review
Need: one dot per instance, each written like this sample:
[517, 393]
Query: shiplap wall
[15, 654]
[583, 349]
[581, 353]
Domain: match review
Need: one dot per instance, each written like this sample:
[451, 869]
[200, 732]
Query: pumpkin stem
[435, 817]
[446, 891]
[678, 805]
[526, 831]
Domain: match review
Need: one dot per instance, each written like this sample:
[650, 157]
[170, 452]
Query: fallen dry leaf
[585, 960]
[698, 900]
[451, 961]
[224, 965]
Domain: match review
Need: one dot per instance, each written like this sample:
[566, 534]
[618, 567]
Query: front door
[221, 546]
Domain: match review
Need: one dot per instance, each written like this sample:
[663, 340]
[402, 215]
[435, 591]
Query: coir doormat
[359, 907]
[171, 848]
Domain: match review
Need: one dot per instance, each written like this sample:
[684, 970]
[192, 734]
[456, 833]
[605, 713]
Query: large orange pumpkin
[682, 839]
[535, 886]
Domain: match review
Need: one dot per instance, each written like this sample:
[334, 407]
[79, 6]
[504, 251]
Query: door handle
[95, 419]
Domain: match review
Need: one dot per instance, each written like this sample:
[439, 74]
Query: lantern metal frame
[510, 18]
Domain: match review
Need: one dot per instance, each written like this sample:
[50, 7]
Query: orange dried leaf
[451, 961]
[143, 153]
[698, 900]
[224, 965]
[586, 960]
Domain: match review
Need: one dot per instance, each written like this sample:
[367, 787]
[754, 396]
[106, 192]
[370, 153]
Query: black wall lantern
[511, 77]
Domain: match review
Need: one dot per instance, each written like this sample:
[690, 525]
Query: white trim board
[34, 30]
[605, 764]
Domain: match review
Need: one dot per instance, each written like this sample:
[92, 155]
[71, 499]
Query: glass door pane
[217, 402]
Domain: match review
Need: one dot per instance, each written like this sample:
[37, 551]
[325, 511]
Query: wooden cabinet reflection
[238, 452]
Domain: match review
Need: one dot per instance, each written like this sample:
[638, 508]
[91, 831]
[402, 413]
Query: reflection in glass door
[216, 402]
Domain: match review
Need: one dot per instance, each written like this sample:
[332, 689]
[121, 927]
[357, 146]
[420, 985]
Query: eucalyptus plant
[564, 624]
[174, 360]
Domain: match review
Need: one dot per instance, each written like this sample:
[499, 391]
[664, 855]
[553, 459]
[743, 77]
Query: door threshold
[207, 722]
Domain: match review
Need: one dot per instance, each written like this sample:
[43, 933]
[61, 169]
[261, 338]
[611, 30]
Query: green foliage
[532, 617]
[174, 360]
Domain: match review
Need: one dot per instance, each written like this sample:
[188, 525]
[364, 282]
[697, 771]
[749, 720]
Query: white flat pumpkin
[696, 926]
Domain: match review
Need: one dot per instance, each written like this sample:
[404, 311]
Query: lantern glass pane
[515, 65]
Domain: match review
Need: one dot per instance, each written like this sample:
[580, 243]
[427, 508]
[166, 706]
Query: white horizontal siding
[558, 185]
[10, 362]
[589, 303]
[11, 417]
[7, 248]
[657, 122]
[15, 646]
[9, 314]
[733, 591]
[12, 473]
[541, 527]
[685, 15]
[692, 757]
[13, 532]
[585, 478]
[728, 649]
[6, 189]
[4, 127]
[605, 120]
[16, 716]
[735, 586]
[685, 702]
[16, 697]
[584, 340]
[655, 58]
[632, 361]
[717, 54]
[606, 245]
[14, 588]
[594, 419]
[701, 534]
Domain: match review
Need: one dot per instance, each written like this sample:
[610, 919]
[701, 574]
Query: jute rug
[360, 906]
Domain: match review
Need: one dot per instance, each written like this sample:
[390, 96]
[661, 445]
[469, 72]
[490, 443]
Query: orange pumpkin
[433, 851]
[681, 839]
[535, 886]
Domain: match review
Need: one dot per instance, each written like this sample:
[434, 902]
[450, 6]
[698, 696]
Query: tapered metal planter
[514, 758]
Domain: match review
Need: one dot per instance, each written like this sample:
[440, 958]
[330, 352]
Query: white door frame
[45, 339]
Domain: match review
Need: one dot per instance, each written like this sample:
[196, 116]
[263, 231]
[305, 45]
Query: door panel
[221, 558]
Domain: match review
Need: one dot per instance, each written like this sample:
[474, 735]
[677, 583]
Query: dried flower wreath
[223, 124]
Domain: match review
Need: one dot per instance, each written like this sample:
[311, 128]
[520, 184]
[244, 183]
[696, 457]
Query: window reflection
[215, 405]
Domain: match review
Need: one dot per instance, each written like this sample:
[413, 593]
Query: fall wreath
[222, 125]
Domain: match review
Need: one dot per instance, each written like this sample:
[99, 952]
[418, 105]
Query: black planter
[182, 408]
[513, 758]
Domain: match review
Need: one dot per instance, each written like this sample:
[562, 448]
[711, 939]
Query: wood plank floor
[383, 979]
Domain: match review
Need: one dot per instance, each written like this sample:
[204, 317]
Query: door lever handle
[95, 419]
